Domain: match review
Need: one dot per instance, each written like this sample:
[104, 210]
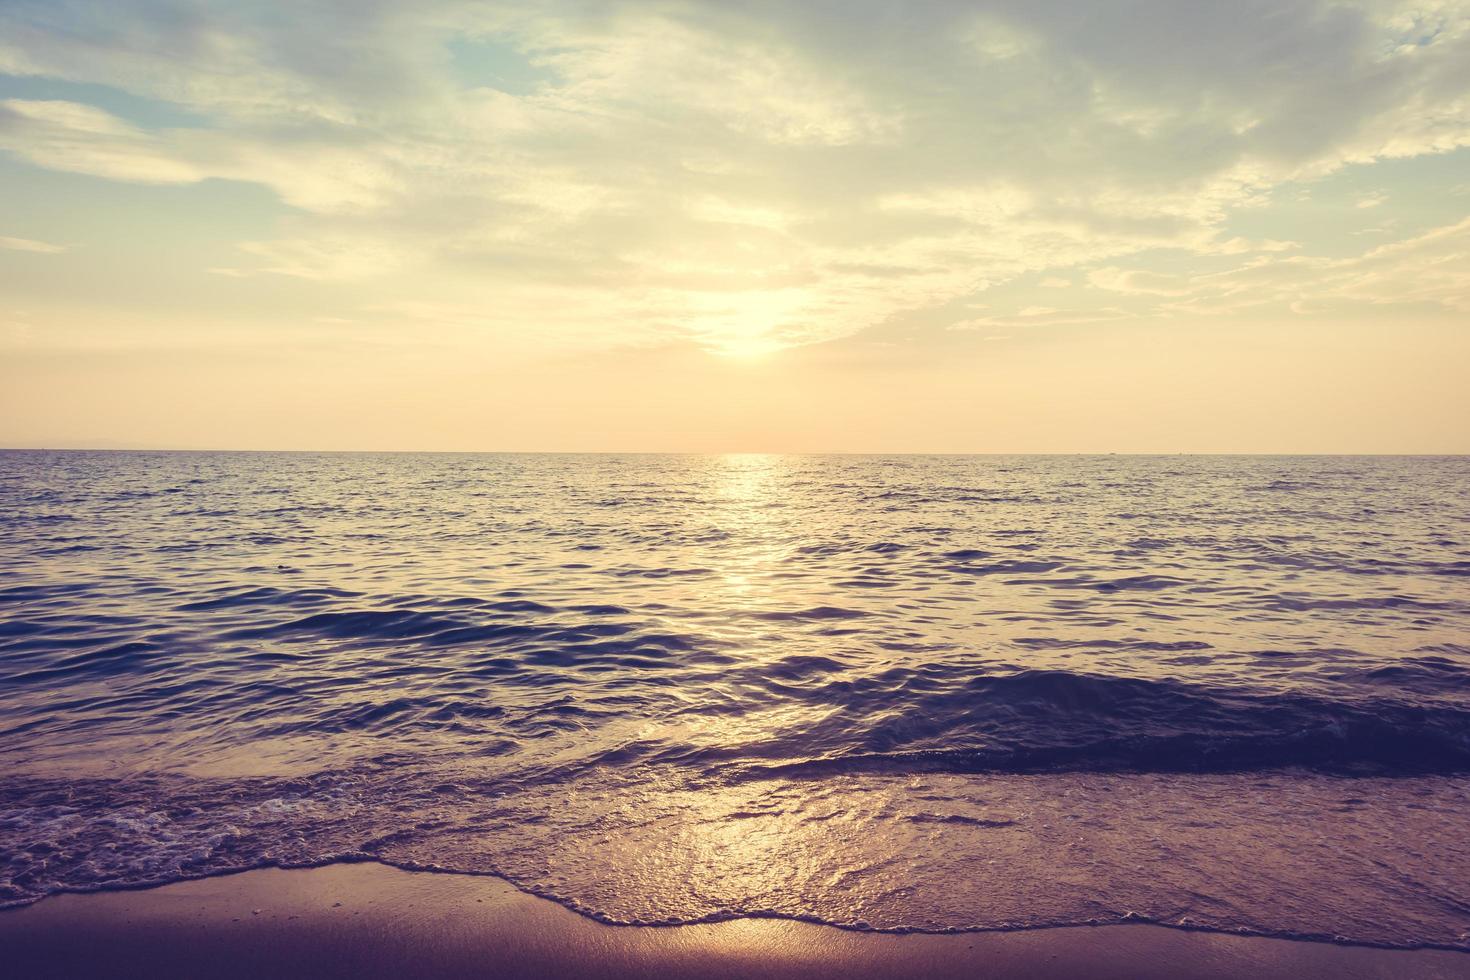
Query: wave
[1036, 721]
[918, 853]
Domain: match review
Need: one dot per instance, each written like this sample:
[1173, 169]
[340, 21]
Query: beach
[369, 920]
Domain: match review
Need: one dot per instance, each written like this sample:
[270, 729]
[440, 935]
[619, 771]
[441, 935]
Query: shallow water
[900, 692]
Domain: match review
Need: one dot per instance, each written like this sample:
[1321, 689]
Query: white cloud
[321, 258]
[70, 136]
[1138, 282]
[1041, 316]
[1430, 270]
[30, 245]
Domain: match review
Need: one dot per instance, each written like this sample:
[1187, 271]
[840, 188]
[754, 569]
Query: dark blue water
[901, 692]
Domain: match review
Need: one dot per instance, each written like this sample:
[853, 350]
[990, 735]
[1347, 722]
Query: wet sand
[367, 920]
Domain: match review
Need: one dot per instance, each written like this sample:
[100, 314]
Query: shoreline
[373, 920]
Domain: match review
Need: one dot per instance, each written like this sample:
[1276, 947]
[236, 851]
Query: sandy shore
[366, 920]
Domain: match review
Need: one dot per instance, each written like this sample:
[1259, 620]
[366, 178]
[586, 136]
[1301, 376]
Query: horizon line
[730, 452]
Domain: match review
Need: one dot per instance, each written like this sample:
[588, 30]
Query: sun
[753, 348]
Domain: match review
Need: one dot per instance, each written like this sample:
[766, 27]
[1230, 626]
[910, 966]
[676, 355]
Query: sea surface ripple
[914, 692]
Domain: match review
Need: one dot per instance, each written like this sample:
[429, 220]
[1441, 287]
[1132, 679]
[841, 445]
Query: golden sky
[984, 226]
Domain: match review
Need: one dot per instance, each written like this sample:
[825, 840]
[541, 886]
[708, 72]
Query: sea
[906, 693]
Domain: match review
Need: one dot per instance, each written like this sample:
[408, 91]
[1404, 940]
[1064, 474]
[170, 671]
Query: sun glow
[756, 348]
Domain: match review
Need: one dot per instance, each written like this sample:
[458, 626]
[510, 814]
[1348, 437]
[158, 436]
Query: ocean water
[937, 693]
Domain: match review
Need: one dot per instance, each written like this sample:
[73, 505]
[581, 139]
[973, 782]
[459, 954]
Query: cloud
[317, 170]
[1428, 270]
[323, 258]
[30, 245]
[1042, 316]
[1139, 282]
[83, 139]
[1432, 268]
[748, 175]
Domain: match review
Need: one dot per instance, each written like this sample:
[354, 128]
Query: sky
[736, 226]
